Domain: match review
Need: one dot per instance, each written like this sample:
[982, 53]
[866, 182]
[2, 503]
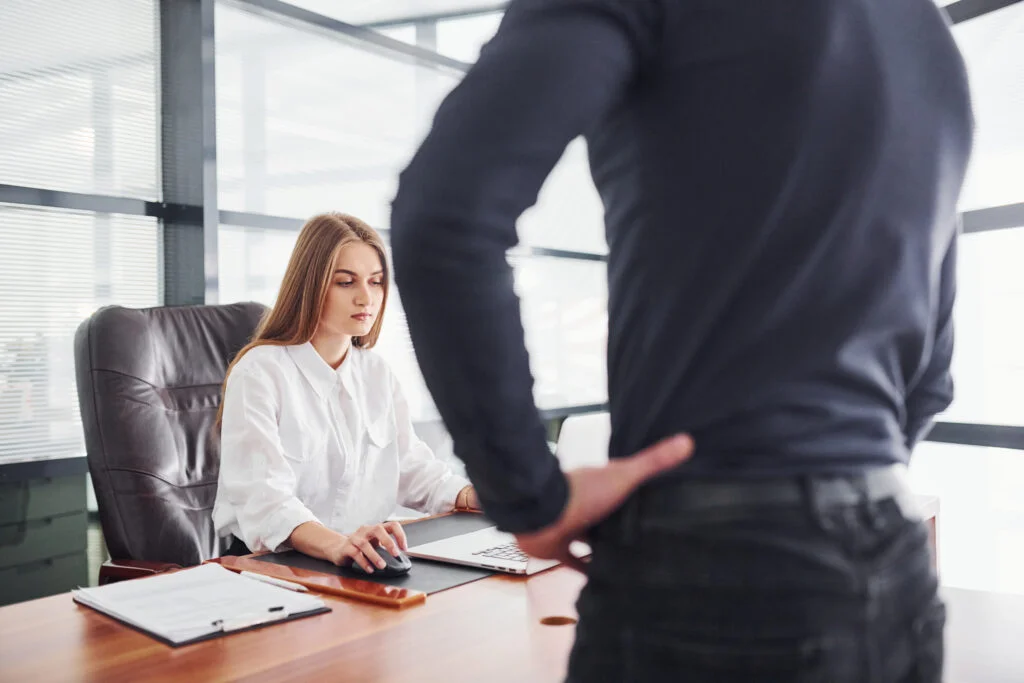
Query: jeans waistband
[683, 498]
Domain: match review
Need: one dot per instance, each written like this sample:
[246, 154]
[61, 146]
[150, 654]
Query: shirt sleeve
[933, 391]
[425, 482]
[256, 480]
[554, 69]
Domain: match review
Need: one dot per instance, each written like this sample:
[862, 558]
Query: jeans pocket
[928, 644]
[819, 659]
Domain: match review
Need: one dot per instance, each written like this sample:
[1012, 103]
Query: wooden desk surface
[489, 630]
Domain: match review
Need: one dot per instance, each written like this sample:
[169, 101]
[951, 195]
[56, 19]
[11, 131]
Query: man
[780, 183]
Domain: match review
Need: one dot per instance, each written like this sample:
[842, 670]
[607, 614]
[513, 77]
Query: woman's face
[356, 292]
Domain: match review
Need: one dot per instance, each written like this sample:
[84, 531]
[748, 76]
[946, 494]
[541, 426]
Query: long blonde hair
[300, 301]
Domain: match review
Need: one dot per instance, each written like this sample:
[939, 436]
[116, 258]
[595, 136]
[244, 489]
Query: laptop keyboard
[509, 552]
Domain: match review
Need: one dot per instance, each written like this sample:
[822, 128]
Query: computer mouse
[396, 566]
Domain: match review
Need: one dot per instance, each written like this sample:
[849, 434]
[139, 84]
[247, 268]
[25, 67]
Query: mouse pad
[425, 575]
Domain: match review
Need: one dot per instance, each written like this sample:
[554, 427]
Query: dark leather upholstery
[149, 386]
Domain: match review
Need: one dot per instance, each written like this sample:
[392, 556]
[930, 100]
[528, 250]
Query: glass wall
[311, 122]
[78, 113]
[981, 528]
[78, 96]
[988, 363]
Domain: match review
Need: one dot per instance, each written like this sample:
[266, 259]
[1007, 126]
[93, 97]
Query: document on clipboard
[196, 604]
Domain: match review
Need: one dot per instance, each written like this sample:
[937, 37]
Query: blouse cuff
[291, 515]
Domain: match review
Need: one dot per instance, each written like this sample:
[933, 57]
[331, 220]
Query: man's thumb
[660, 457]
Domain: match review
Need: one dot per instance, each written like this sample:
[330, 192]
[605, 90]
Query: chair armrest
[122, 570]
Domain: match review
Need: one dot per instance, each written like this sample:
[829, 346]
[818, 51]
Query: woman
[317, 445]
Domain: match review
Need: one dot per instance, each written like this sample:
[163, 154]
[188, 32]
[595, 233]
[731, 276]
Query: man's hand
[596, 492]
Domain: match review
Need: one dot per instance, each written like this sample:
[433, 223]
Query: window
[988, 357]
[981, 521]
[563, 303]
[981, 513]
[462, 38]
[569, 214]
[56, 268]
[309, 123]
[78, 114]
[988, 366]
[993, 49]
[78, 96]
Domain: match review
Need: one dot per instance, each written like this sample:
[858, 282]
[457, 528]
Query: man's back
[780, 182]
[780, 190]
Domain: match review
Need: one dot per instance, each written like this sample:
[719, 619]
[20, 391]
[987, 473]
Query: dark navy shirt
[780, 184]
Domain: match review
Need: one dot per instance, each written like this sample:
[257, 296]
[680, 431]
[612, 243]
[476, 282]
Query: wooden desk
[489, 630]
[930, 511]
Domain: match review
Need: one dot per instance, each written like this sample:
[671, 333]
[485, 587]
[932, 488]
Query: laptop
[486, 548]
[582, 441]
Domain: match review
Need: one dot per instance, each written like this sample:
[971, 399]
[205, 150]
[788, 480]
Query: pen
[281, 583]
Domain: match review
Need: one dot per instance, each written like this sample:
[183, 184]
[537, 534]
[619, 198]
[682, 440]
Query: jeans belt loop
[869, 502]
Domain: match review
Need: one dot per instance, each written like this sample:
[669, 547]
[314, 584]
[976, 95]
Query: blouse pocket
[381, 434]
[301, 442]
[378, 469]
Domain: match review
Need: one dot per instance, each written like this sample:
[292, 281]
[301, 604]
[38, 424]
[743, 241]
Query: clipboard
[198, 604]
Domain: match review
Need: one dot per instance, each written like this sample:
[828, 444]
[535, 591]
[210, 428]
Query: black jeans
[800, 592]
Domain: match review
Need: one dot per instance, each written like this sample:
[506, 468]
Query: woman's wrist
[467, 500]
[336, 550]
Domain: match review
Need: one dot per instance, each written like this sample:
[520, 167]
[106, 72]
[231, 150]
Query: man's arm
[934, 390]
[554, 69]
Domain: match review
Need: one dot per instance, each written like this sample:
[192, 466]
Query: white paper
[192, 603]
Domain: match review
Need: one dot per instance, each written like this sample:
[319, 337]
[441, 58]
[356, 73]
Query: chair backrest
[583, 440]
[149, 383]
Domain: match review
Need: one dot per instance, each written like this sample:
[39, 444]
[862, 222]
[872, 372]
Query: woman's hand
[467, 500]
[360, 546]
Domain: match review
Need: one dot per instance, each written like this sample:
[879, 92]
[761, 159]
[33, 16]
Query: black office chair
[149, 383]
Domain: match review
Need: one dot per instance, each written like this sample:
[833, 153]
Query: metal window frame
[1003, 217]
[188, 154]
[188, 102]
[965, 10]
[975, 434]
[437, 16]
[285, 13]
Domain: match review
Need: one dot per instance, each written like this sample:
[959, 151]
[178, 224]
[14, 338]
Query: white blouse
[301, 442]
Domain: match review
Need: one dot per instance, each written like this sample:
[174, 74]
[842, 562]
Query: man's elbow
[941, 394]
[926, 403]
